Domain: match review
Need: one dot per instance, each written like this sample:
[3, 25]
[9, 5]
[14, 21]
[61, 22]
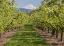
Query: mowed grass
[26, 37]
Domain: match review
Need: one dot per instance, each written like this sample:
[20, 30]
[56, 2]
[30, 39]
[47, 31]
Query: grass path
[26, 37]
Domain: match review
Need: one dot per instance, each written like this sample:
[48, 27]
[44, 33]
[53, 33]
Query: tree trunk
[56, 33]
[0, 35]
[61, 35]
[53, 32]
[48, 29]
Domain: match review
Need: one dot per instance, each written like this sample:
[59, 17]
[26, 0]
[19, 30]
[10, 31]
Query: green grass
[26, 37]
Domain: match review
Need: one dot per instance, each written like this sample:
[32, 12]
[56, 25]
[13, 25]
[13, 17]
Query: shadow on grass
[40, 42]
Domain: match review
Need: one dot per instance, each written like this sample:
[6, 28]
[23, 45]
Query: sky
[22, 3]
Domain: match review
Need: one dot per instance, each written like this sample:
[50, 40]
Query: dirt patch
[51, 40]
[7, 36]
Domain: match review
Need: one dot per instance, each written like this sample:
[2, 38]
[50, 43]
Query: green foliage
[9, 18]
[48, 15]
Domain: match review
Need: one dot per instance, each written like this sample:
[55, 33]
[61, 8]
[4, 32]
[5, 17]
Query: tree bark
[0, 35]
[48, 29]
[53, 32]
[56, 33]
[61, 35]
